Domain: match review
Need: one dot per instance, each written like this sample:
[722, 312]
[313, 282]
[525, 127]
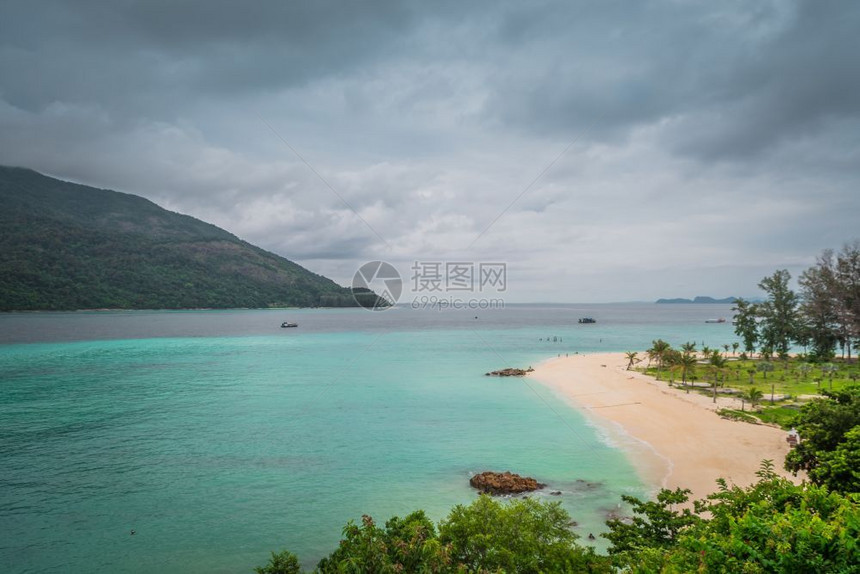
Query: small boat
[720, 320]
[287, 324]
[587, 320]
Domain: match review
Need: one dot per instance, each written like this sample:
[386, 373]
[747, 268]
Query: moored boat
[287, 324]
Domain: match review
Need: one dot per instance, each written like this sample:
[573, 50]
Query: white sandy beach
[675, 438]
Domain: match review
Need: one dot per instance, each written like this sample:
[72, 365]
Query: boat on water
[720, 320]
[287, 324]
[587, 320]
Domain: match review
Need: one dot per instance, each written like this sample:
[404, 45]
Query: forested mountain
[66, 246]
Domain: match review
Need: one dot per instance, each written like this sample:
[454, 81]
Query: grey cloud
[149, 56]
[713, 136]
[735, 81]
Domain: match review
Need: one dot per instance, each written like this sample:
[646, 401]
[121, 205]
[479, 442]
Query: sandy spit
[674, 438]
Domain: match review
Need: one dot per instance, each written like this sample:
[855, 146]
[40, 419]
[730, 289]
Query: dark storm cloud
[142, 55]
[732, 79]
[729, 128]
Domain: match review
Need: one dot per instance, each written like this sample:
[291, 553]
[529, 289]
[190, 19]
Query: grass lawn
[796, 380]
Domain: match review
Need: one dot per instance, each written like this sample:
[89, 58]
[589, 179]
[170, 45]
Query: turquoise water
[218, 437]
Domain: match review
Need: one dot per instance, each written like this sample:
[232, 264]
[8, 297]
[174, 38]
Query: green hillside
[65, 246]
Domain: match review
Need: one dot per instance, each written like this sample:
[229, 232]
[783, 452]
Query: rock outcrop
[510, 372]
[504, 483]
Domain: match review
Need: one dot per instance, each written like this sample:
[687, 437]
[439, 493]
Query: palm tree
[632, 358]
[716, 364]
[735, 346]
[726, 347]
[689, 347]
[754, 396]
[687, 365]
[658, 352]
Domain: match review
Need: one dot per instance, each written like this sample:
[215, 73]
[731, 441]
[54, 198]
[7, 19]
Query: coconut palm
[735, 346]
[687, 366]
[716, 365]
[632, 359]
[658, 353]
[689, 347]
[754, 396]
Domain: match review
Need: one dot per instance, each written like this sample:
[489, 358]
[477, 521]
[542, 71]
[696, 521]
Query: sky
[603, 150]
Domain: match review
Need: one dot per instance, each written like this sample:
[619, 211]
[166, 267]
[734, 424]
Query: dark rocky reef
[504, 483]
[510, 372]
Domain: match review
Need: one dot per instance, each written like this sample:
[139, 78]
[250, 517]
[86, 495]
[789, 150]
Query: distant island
[698, 299]
[66, 246]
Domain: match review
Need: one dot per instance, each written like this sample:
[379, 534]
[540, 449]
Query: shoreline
[673, 439]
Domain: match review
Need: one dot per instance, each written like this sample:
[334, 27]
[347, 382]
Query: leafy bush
[521, 535]
[830, 441]
[281, 563]
[738, 416]
[771, 526]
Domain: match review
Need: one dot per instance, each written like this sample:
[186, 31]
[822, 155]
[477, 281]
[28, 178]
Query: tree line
[823, 316]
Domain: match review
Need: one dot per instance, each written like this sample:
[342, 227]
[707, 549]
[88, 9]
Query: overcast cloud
[707, 143]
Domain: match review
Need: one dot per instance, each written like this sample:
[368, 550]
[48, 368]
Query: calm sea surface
[218, 437]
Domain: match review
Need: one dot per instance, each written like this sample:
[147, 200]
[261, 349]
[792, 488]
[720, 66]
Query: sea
[200, 441]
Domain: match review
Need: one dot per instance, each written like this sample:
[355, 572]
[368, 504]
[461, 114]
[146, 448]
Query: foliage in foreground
[771, 526]
[521, 535]
[830, 447]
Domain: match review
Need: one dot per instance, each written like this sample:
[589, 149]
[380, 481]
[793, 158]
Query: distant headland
[698, 299]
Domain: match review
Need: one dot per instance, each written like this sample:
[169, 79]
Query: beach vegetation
[523, 535]
[823, 316]
[655, 524]
[658, 353]
[284, 562]
[753, 396]
[746, 324]
[738, 415]
[632, 358]
[488, 535]
[771, 526]
[787, 384]
[829, 451]
[779, 415]
[686, 366]
[764, 367]
[779, 320]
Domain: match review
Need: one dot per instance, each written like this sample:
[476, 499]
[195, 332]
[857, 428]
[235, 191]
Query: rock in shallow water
[504, 483]
[510, 372]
